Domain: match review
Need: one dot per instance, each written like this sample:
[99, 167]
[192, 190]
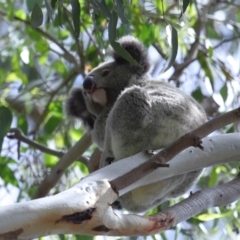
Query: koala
[127, 111]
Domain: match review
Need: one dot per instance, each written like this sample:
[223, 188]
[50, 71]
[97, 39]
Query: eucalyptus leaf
[174, 50]
[49, 9]
[5, 123]
[185, 5]
[224, 92]
[30, 4]
[112, 25]
[36, 16]
[60, 3]
[103, 7]
[120, 11]
[122, 52]
[76, 11]
[7, 174]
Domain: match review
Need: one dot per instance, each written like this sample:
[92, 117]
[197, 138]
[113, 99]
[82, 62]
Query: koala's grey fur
[128, 112]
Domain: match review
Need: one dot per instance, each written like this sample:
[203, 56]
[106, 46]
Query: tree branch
[86, 208]
[57, 171]
[226, 40]
[193, 138]
[16, 133]
[221, 195]
[93, 164]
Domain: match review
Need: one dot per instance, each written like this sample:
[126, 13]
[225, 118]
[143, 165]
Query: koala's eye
[105, 72]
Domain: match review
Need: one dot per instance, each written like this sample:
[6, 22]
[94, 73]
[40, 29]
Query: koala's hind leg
[129, 124]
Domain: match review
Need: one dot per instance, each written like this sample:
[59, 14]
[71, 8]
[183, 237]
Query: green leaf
[103, 7]
[59, 66]
[49, 9]
[82, 237]
[197, 94]
[207, 217]
[7, 174]
[185, 5]
[76, 10]
[52, 123]
[22, 123]
[20, 14]
[122, 52]
[213, 178]
[60, 3]
[174, 50]
[36, 16]
[31, 3]
[205, 65]
[53, 3]
[11, 10]
[112, 25]
[50, 160]
[224, 92]
[5, 123]
[120, 11]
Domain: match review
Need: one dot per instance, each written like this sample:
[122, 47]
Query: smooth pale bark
[217, 149]
[86, 207]
[66, 160]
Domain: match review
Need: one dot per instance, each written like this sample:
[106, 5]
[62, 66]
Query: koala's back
[149, 118]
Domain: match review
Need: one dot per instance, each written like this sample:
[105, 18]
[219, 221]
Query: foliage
[47, 47]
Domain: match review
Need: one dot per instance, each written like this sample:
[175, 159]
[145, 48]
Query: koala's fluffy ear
[138, 52]
[75, 106]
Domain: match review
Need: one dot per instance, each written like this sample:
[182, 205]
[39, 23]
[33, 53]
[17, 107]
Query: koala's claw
[117, 205]
[150, 152]
[109, 160]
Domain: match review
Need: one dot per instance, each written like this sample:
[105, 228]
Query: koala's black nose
[88, 83]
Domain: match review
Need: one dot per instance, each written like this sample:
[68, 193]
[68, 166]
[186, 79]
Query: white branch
[86, 207]
[215, 151]
[66, 160]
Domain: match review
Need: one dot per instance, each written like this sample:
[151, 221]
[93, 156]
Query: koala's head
[104, 83]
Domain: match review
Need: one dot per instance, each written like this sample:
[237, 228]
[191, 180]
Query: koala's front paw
[109, 160]
[150, 152]
[117, 205]
[106, 159]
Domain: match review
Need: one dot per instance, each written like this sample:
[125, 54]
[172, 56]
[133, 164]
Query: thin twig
[229, 3]
[226, 40]
[16, 133]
